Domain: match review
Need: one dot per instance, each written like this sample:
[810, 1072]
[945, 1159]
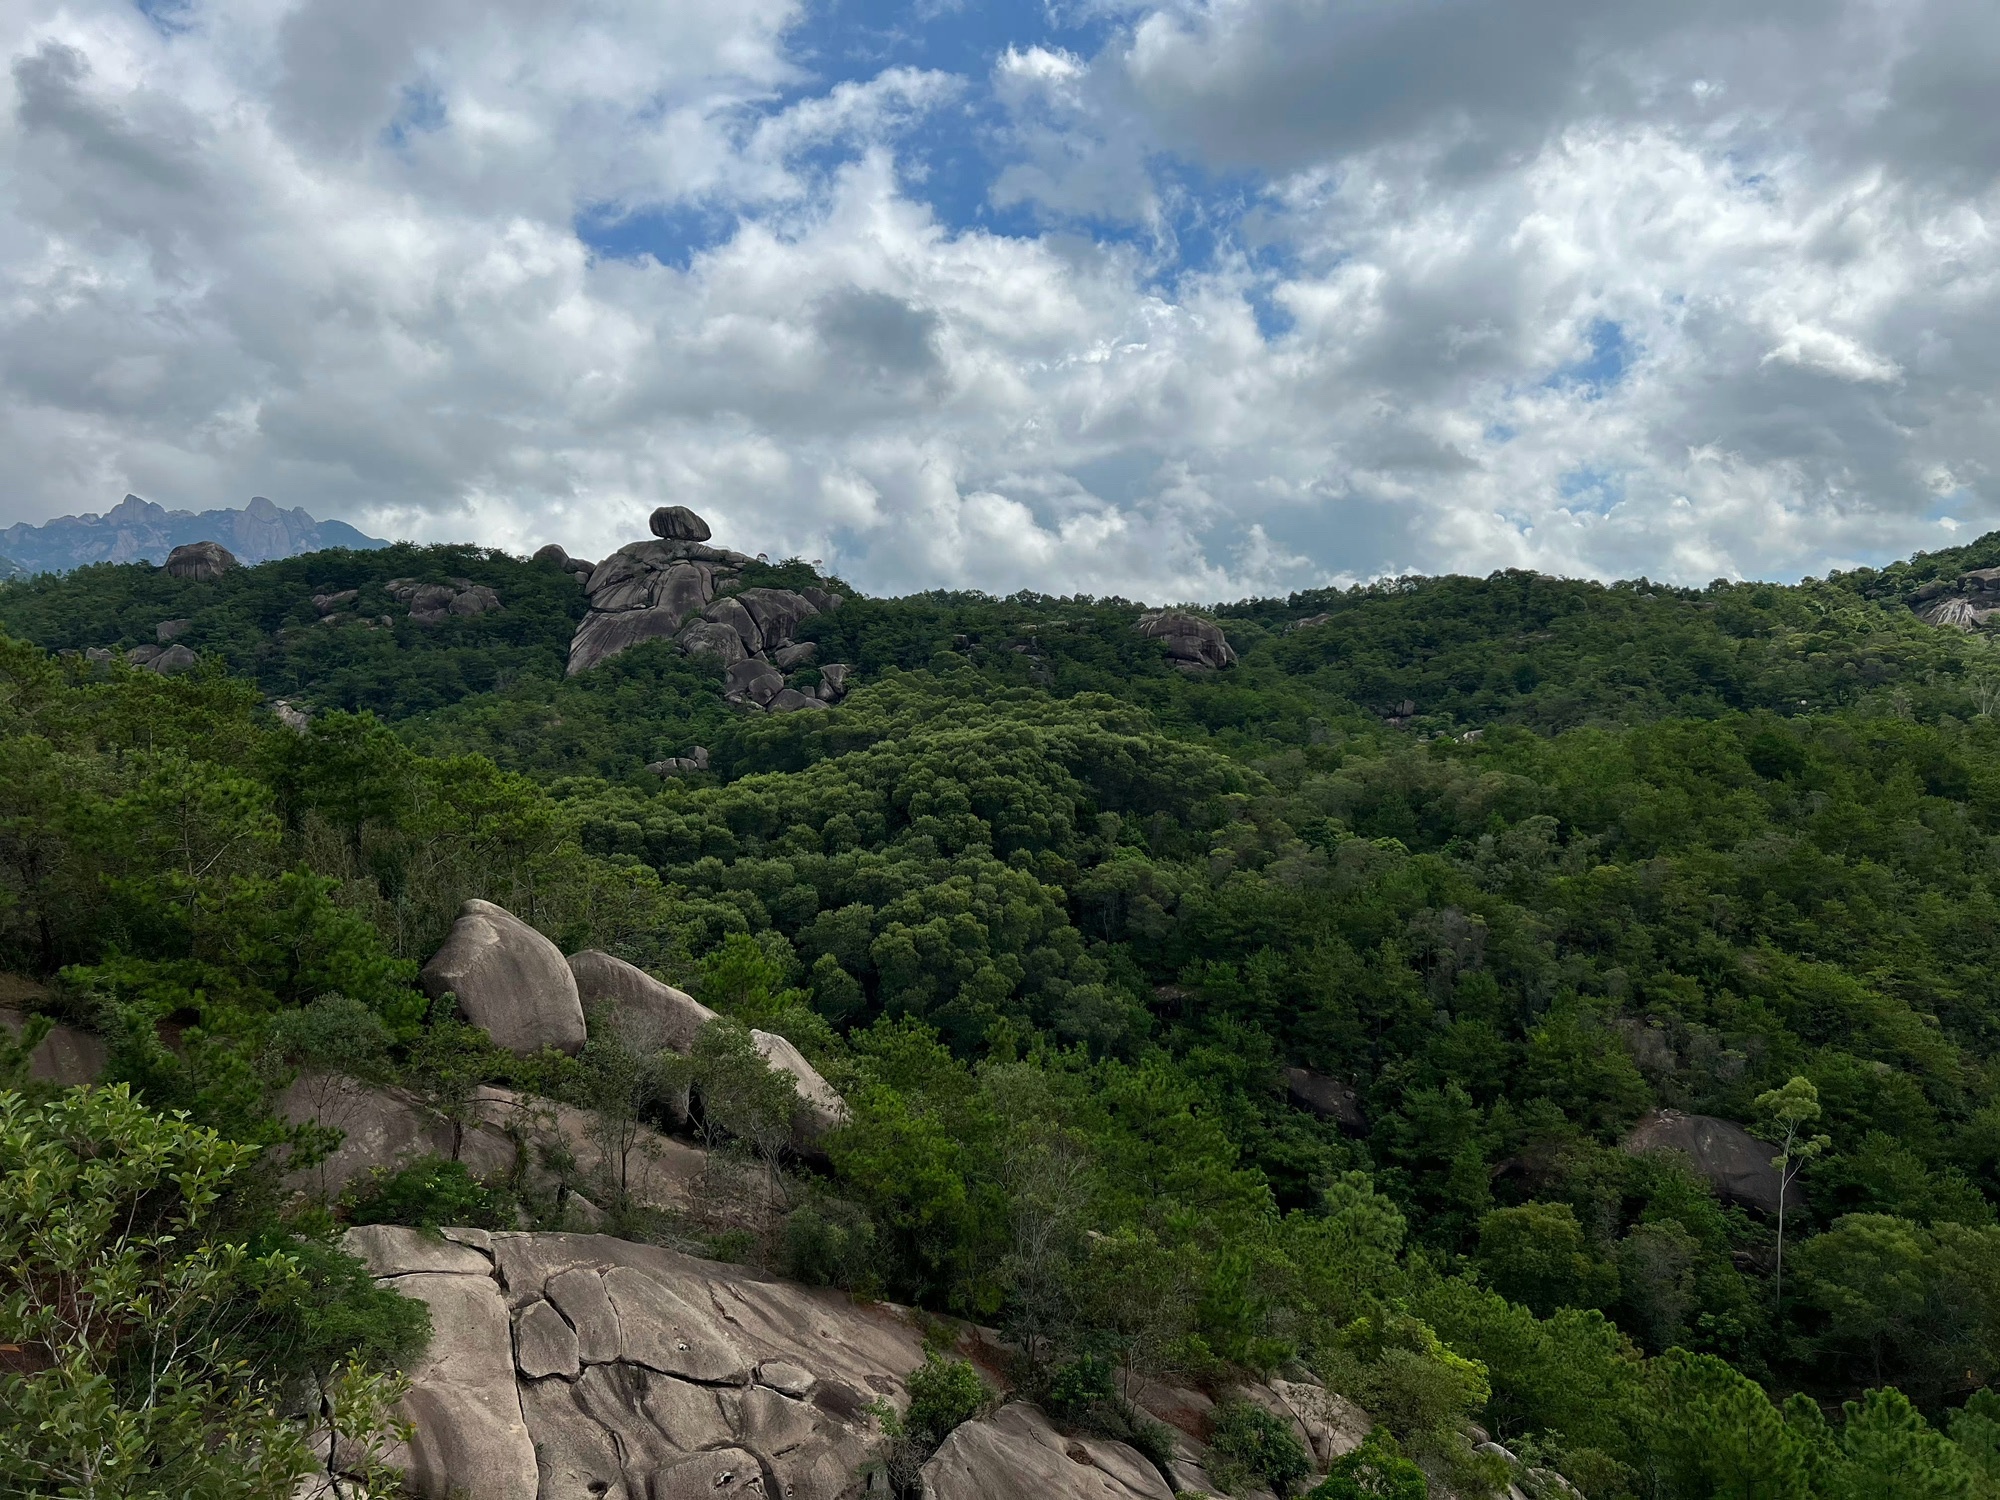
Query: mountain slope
[137, 530]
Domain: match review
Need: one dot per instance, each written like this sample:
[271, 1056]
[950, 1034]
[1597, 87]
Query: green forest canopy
[1518, 858]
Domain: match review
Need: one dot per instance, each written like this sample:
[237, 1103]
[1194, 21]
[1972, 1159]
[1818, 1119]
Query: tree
[1784, 1115]
[1536, 1254]
[135, 1369]
[449, 1059]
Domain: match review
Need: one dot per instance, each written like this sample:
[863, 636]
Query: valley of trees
[1517, 860]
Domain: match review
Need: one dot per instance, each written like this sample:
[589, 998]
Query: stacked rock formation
[1964, 603]
[678, 587]
[1194, 645]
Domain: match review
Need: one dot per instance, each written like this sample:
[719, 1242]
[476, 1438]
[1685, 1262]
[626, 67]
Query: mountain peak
[138, 530]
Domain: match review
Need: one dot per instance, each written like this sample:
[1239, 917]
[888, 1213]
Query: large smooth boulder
[65, 1057]
[1192, 643]
[778, 612]
[754, 681]
[1735, 1163]
[820, 1109]
[200, 562]
[602, 636]
[470, 1438]
[651, 1014]
[729, 612]
[709, 638]
[676, 523]
[509, 979]
[1018, 1455]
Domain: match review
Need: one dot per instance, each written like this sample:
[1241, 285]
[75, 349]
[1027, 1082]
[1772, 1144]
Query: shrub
[829, 1242]
[1248, 1445]
[429, 1193]
[1376, 1470]
[943, 1393]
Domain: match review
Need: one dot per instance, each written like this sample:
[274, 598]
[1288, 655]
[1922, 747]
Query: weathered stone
[477, 600]
[603, 636]
[614, 1397]
[833, 681]
[821, 599]
[785, 658]
[509, 979]
[766, 1422]
[730, 611]
[65, 1057]
[619, 583]
[684, 588]
[580, 1297]
[656, 1170]
[712, 638]
[168, 630]
[778, 612]
[383, 1129]
[545, 1344]
[1189, 639]
[174, 660]
[200, 562]
[783, 1375]
[668, 1332]
[553, 555]
[575, 1459]
[1017, 1455]
[1329, 1098]
[1336, 1425]
[820, 1109]
[143, 656]
[754, 680]
[791, 700]
[727, 1473]
[653, 1014]
[1737, 1165]
[470, 1436]
[676, 523]
[393, 1250]
[291, 716]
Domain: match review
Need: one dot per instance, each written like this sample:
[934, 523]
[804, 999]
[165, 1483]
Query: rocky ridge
[1964, 603]
[136, 530]
[677, 587]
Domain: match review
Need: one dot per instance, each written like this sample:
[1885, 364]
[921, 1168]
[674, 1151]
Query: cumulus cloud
[1181, 299]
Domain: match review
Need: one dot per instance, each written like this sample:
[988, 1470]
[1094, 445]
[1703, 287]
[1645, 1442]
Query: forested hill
[1498, 868]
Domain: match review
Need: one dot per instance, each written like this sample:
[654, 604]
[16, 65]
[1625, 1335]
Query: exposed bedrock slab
[470, 1437]
[393, 1250]
[383, 1129]
[1018, 1455]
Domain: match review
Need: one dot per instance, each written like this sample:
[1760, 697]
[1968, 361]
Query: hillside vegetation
[1517, 860]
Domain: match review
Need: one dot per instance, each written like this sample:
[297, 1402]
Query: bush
[1249, 1445]
[829, 1242]
[1376, 1470]
[943, 1393]
[429, 1193]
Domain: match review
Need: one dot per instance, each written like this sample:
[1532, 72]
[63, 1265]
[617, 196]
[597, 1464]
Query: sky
[1173, 299]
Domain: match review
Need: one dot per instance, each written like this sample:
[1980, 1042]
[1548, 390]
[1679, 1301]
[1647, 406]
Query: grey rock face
[602, 636]
[1735, 1162]
[790, 700]
[552, 556]
[200, 562]
[173, 661]
[509, 979]
[653, 1014]
[1018, 1455]
[471, 1438]
[1329, 1098]
[168, 630]
[545, 1344]
[383, 1129]
[833, 681]
[785, 658]
[433, 603]
[65, 1057]
[709, 638]
[326, 604]
[778, 612]
[820, 1109]
[823, 600]
[394, 1250]
[754, 680]
[676, 523]
[730, 612]
[1191, 642]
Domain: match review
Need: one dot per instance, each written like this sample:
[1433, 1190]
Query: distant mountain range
[137, 530]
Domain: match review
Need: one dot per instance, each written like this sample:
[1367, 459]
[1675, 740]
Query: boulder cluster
[678, 587]
[1194, 645]
[1963, 603]
[431, 603]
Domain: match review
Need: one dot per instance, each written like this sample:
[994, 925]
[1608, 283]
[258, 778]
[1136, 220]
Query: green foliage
[1376, 1470]
[430, 1192]
[943, 1393]
[151, 1357]
[1248, 1444]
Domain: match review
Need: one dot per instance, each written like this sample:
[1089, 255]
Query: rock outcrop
[1964, 603]
[1329, 1098]
[383, 1129]
[65, 1057]
[577, 1365]
[200, 562]
[1194, 645]
[433, 603]
[1735, 1163]
[820, 1109]
[509, 979]
[681, 765]
[678, 587]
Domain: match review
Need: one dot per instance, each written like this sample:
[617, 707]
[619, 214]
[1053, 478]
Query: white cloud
[1684, 291]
